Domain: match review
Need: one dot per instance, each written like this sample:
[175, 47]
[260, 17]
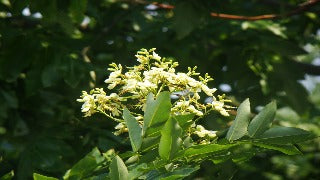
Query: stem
[206, 113]
[111, 117]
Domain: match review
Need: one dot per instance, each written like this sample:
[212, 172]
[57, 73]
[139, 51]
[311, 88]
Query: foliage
[174, 149]
[48, 54]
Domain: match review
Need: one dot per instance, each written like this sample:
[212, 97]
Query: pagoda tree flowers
[130, 86]
[158, 110]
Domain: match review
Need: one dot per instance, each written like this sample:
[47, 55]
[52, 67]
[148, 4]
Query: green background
[49, 54]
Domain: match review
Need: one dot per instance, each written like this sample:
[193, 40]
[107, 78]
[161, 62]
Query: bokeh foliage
[49, 53]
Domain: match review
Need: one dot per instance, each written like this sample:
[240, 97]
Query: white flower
[202, 132]
[192, 109]
[219, 106]
[207, 90]
[88, 106]
[156, 56]
[153, 74]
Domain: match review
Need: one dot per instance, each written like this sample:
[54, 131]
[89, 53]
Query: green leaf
[149, 156]
[170, 140]
[149, 143]
[157, 113]
[239, 127]
[8, 176]
[137, 171]
[284, 135]
[118, 170]
[85, 166]
[135, 131]
[220, 158]
[263, 120]
[77, 9]
[184, 120]
[243, 156]
[186, 19]
[203, 149]
[42, 177]
[103, 176]
[288, 149]
[179, 173]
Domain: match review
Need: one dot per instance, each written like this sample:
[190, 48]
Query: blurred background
[51, 50]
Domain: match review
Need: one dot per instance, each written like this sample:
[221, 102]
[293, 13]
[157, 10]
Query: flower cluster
[153, 74]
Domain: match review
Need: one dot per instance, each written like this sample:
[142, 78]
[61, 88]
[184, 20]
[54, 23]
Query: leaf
[263, 120]
[243, 156]
[170, 140]
[118, 170]
[184, 120]
[149, 156]
[186, 19]
[8, 176]
[220, 158]
[103, 176]
[239, 127]
[157, 113]
[203, 149]
[286, 149]
[10, 98]
[135, 131]
[284, 135]
[149, 143]
[85, 166]
[281, 46]
[137, 171]
[179, 173]
[49, 76]
[77, 9]
[42, 177]
[72, 71]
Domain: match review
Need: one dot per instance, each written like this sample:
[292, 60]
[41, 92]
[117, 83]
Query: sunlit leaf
[157, 113]
[170, 141]
[284, 135]
[284, 148]
[239, 127]
[135, 131]
[261, 122]
[42, 177]
[118, 170]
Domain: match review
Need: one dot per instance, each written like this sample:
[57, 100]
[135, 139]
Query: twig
[301, 8]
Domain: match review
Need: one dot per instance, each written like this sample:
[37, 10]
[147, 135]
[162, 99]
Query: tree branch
[301, 8]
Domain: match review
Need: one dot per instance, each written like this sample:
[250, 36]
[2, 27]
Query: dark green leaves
[77, 10]
[157, 113]
[85, 166]
[186, 19]
[135, 131]
[263, 120]
[178, 173]
[203, 149]
[8, 176]
[288, 149]
[284, 135]
[170, 139]
[239, 127]
[118, 170]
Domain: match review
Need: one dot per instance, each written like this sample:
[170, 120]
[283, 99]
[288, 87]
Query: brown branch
[163, 6]
[301, 8]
